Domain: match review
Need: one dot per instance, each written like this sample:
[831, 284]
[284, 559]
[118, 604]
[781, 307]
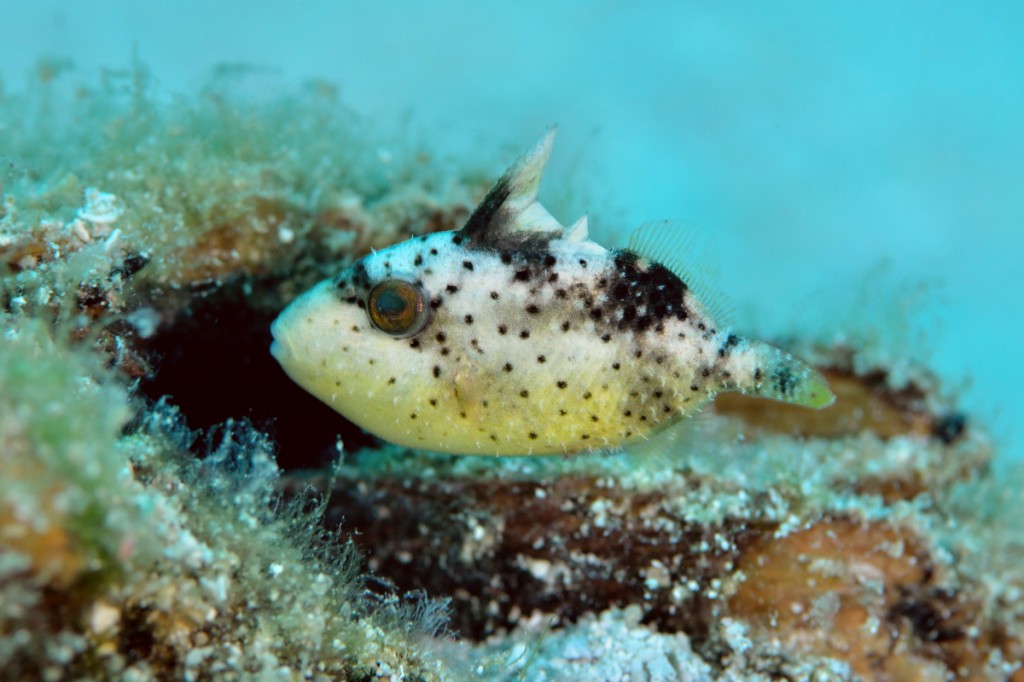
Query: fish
[516, 335]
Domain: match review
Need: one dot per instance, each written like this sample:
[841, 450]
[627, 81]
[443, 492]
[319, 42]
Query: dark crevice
[214, 364]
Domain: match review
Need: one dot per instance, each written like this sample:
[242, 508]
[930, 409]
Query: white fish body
[516, 335]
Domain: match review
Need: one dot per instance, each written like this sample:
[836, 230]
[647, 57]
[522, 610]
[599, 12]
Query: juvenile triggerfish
[516, 336]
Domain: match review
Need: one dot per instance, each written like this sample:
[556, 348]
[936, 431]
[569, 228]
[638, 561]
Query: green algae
[197, 559]
[208, 187]
[134, 547]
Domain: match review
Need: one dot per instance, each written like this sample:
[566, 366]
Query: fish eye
[398, 308]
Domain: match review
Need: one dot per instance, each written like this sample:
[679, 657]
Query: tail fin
[763, 370]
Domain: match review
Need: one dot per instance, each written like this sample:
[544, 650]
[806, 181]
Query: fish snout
[280, 347]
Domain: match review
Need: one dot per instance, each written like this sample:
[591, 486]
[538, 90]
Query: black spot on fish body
[360, 278]
[468, 265]
[730, 342]
[437, 371]
[494, 295]
[506, 258]
[468, 319]
[549, 260]
[532, 309]
[522, 275]
[525, 334]
[451, 288]
[418, 260]
[433, 252]
[502, 329]
[457, 239]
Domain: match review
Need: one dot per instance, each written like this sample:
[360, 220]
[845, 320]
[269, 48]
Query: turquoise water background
[860, 166]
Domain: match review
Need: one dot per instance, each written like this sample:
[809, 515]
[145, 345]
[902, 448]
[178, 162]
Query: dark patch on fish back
[654, 289]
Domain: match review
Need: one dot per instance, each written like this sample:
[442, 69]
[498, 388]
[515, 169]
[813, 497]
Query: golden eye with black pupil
[398, 308]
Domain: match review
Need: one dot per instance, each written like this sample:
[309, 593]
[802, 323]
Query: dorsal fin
[686, 250]
[510, 215]
[578, 232]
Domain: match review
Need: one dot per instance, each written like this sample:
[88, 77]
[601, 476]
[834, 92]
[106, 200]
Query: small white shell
[100, 207]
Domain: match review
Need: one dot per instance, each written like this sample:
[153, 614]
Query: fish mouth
[279, 347]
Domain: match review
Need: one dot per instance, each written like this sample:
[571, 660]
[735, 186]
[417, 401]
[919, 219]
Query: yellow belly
[562, 408]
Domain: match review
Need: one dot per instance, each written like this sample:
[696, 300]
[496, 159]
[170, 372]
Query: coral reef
[124, 556]
[171, 507]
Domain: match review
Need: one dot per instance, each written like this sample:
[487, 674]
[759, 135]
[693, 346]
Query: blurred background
[858, 166]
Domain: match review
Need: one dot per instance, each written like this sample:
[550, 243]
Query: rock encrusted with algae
[123, 556]
[130, 546]
[842, 550]
[143, 244]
